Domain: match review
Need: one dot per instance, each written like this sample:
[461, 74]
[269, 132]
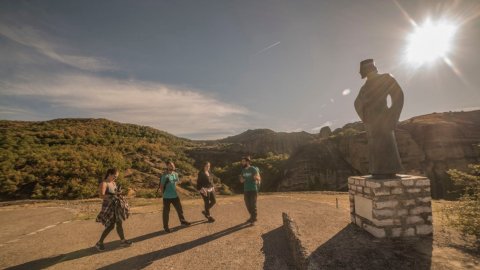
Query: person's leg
[212, 199]
[246, 198]
[254, 205]
[206, 205]
[166, 212]
[119, 227]
[106, 232]
[178, 207]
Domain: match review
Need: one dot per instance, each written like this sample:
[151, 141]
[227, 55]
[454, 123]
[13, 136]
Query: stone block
[409, 232]
[351, 180]
[424, 229]
[423, 182]
[408, 202]
[367, 190]
[414, 220]
[377, 232]
[397, 191]
[420, 209]
[358, 221]
[430, 219]
[352, 218]
[407, 182]
[392, 183]
[387, 204]
[402, 212]
[372, 184]
[360, 189]
[381, 191]
[383, 213]
[413, 190]
[425, 199]
[384, 222]
[396, 232]
[427, 190]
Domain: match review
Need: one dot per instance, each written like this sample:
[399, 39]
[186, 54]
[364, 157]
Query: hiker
[250, 177]
[206, 189]
[168, 183]
[114, 209]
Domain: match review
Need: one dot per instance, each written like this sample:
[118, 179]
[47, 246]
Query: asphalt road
[50, 237]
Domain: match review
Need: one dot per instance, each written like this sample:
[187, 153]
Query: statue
[380, 120]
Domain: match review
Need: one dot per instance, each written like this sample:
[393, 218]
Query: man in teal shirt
[250, 177]
[168, 183]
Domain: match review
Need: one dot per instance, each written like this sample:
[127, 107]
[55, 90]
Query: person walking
[250, 177]
[168, 184]
[115, 209]
[207, 190]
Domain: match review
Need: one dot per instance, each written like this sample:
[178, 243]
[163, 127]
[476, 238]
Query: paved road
[48, 238]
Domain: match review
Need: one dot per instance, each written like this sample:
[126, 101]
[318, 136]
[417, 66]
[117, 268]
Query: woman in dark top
[207, 190]
[114, 209]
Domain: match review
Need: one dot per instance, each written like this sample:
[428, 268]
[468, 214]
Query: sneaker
[205, 213]
[99, 246]
[211, 219]
[126, 243]
[167, 230]
[185, 223]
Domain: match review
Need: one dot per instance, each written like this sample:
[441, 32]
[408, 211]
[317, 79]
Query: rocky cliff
[428, 145]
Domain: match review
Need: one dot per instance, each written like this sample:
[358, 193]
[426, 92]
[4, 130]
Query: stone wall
[390, 208]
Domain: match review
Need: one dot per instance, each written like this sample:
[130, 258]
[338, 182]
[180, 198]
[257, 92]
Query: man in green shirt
[168, 183]
[250, 177]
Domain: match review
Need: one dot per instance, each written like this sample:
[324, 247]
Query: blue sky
[211, 69]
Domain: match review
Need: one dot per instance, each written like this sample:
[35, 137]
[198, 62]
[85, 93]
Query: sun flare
[430, 41]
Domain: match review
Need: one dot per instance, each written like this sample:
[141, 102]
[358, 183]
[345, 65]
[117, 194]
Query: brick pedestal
[390, 208]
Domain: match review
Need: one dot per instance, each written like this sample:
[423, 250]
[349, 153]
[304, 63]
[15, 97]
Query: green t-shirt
[248, 174]
[170, 191]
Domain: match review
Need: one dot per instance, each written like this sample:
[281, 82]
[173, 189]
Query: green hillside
[65, 158]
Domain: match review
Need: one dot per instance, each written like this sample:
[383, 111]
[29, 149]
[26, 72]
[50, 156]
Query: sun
[430, 41]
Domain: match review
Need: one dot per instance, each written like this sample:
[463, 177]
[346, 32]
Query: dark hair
[247, 158]
[110, 172]
[205, 163]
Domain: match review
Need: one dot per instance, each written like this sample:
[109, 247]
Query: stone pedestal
[391, 208]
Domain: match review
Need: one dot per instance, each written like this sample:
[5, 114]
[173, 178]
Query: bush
[465, 215]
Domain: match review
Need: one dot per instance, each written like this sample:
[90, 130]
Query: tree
[465, 215]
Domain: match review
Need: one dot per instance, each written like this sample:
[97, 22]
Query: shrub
[465, 215]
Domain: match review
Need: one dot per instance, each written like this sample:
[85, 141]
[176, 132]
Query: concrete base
[391, 208]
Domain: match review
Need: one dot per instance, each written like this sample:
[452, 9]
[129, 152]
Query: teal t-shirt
[170, 191]
[248, 174]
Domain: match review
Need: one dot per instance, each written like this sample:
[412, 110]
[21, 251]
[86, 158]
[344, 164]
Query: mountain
[65, 158]
[428, 145]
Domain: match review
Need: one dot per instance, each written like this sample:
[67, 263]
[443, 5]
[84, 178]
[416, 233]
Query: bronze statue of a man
[380, 120]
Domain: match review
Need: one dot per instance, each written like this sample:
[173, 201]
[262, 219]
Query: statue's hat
[367, 66]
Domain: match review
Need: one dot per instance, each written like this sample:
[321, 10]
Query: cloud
[44, 44]
[346, 92]
[332, 100]
[326, 124]
[170, 108]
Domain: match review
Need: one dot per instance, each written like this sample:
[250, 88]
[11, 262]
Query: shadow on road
[50, 261]
[275, 248]
[353, 248]
[144, 260]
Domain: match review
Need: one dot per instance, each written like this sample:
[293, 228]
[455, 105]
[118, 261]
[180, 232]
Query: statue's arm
[359, 105]
[396, 94]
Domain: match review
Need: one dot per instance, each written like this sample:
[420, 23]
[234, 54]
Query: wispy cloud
[174, 109]
[42, 43]
[346, 92]
[267, 48]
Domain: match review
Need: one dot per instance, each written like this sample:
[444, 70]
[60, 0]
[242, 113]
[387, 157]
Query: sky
[211, 69]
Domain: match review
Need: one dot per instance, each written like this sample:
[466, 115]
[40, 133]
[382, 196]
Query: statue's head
[367, 66]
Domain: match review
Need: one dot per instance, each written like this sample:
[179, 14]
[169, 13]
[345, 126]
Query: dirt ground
[61, 234]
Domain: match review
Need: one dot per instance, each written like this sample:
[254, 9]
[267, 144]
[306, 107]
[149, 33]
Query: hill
[65, 158]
